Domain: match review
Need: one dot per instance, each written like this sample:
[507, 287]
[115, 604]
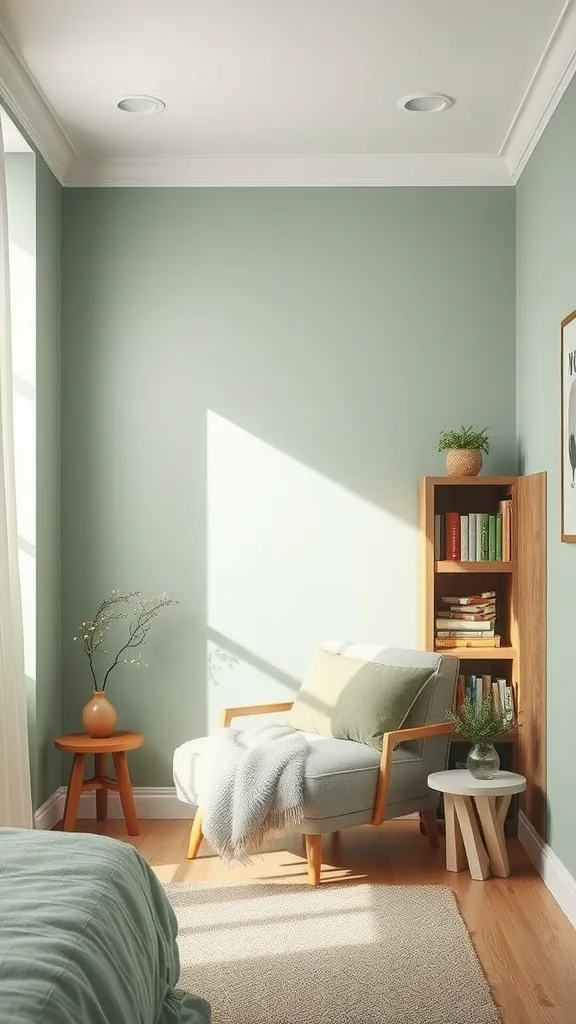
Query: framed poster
[568, 429]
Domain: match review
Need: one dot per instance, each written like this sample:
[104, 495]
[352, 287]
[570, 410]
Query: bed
[87, 935]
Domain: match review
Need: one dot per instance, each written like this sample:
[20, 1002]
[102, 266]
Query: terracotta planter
[99, 716]
[463, 461]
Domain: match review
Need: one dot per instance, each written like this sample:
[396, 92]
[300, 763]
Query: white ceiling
[285, 81]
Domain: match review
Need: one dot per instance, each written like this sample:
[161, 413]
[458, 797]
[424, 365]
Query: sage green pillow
[351, 699]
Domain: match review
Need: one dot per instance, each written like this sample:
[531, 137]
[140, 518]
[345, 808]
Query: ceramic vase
[99, 716]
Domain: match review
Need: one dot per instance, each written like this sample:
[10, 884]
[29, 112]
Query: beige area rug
[337, 954]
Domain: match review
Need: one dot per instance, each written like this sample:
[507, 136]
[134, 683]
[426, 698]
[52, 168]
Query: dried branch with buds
[92, 633]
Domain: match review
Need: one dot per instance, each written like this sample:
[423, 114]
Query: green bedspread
[87, 935]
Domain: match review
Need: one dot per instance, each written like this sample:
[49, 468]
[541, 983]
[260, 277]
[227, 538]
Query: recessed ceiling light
[425, 103]
[141, 105]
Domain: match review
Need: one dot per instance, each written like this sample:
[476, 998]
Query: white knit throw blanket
[256, 786]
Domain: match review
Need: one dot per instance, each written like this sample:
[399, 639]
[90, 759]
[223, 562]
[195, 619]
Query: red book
[452, 520]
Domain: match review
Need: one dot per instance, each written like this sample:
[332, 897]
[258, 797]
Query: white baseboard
[151, 802]
[555, 876]
[50, 812]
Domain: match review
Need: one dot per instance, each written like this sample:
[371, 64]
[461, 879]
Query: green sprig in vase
[480, 724]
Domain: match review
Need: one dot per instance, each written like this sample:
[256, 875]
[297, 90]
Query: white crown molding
[292, 171]
[151, 802]
[21, 97]
[555, 876]
[545, 90]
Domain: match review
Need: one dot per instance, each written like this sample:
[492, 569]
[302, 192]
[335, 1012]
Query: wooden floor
[526, 945]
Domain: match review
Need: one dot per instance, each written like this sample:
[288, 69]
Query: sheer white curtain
[15, 799]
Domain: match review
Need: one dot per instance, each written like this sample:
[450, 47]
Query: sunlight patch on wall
[294, 559]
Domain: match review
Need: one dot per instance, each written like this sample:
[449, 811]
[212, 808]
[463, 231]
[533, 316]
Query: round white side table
[475, 811]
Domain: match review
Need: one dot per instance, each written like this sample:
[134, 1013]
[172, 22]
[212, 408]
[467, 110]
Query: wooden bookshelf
[520, 587]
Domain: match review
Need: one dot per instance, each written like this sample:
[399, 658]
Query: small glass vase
[483, 761]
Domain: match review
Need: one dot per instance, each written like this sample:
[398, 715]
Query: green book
[478, 537]
[491, 538]
[499, 537]
[484, 537]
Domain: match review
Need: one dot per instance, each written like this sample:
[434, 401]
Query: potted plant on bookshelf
[464, 449]
[99, 715]
[480, 724]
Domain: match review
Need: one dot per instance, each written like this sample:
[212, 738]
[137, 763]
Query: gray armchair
[349, 783]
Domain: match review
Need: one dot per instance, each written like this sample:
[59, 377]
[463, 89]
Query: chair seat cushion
[340, 776]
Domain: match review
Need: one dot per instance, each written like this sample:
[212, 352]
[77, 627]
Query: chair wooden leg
[314, 858]
[428, 820]
[195, 835]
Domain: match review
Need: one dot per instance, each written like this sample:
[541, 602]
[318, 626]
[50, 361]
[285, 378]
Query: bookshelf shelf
[474, 481]
[514, 592]
[508, 737]
[480, 653]
[477, 567]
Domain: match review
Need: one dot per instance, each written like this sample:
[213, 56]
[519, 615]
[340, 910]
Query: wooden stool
[475, 811]
[80, 744]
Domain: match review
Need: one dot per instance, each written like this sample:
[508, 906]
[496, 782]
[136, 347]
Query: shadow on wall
[224, 653]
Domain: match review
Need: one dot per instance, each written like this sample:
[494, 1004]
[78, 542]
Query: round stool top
[459, 782]
[82, 743]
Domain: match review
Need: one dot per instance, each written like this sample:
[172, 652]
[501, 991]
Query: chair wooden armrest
[252, 709]
[389, 742]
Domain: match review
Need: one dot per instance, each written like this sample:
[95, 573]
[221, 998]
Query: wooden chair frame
[313, 843]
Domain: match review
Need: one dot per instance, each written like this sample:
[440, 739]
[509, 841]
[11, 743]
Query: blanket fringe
[251, 845]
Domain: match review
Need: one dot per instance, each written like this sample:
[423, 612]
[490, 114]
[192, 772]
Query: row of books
[474, 537]
[478, 687]
[468, 621]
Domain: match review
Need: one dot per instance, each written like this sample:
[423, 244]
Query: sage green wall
[546, 211]
[253, 382]
[48, 477]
